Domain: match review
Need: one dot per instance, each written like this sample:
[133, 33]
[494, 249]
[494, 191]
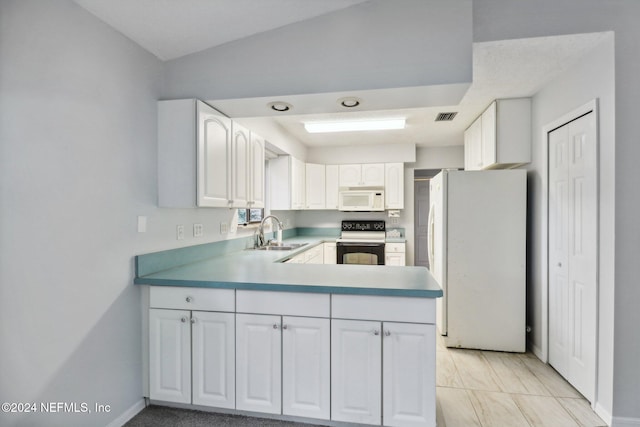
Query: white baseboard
[604, 414]
[625, 422]
[536, 350]
[128, 414]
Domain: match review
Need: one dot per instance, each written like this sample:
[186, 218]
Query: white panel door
[409, 374]
[373, 175]
[256, 172]
[213, 358]
[258, 363]
[306, 359]
[356, 363]
[573, 231]
[170, 355]
[314, 186]
[437, 244]
[240, 178]
[214, 158]
[297, 183]
[330, 253]
[350, 175]
[395, 259]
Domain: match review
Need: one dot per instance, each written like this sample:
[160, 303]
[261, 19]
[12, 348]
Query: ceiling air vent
[445, 117]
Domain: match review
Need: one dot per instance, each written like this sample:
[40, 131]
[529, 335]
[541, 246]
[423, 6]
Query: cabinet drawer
[394, 247]
[381, 308]
[284, 303]
[184, 298]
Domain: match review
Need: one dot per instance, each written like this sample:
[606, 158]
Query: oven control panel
[363, 225]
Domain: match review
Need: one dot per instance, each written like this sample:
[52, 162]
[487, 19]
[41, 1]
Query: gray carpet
[160, 416]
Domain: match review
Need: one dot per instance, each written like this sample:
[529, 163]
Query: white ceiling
[502, 69]
[173, 28]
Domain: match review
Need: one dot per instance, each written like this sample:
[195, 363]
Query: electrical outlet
[395, 221]
[224, 228]
[198, 230]
[180, 232]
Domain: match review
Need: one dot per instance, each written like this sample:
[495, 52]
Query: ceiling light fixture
[349, 101]
[354, 125]
[280, 106]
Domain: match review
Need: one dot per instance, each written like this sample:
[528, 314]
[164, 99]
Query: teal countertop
[265, 270]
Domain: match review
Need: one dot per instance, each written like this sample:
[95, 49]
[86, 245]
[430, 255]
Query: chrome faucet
[261, 241]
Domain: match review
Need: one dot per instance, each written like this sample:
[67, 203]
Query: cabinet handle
[387, 333]
[183, 319]
[284, 327]
[376, 332]
[193, 320]
[188, 299]
[275, 326]
[559, 264]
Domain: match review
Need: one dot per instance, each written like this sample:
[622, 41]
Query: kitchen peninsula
[240, 330]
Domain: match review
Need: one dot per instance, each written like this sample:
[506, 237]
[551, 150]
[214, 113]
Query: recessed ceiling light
[349, 101]
[280, 106]
[354, 125]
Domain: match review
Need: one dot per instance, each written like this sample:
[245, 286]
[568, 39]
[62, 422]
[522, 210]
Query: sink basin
[283, 247]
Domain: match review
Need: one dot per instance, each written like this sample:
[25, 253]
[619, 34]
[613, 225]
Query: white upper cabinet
[362, 175]
[501, 137]
[394, 186]
[315, 186]
[332, 186]
[256, 172]
[205, 159]
[287, 183]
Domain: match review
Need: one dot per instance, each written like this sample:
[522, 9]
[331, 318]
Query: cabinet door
[258, 363]
[332, 185]
[306, 359]
[409, 370]
[214, 158]
[213, 356]
[350, 175]
[240, 170]
[314, 186]
[394, 185]
[170, 355]
[297, 183]
[373, 175]
[488, 139]
[473, 146]
[256, 172]
[356, 363]
[330, 253]
[394, 259]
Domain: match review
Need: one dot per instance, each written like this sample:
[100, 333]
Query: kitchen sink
[282, 247]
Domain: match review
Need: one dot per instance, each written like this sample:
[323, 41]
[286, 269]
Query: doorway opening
[421, 181]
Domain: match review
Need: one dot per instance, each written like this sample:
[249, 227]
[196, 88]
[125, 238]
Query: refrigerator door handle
[430, 240]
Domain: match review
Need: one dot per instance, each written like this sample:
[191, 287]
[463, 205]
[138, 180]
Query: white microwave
[361, 199]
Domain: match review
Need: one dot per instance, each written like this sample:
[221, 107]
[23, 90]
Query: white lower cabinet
[192, 357]
[356, 361]
[258, 363]
[330, 253]
[283, 365]
[306, 360]
[383, 367]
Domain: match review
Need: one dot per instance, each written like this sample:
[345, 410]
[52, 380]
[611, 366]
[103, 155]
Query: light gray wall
[504, 19]
[592, 78]
[373, 45]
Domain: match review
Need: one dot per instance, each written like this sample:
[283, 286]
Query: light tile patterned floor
[492, 389]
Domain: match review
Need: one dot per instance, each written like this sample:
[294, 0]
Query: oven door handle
[359, 244]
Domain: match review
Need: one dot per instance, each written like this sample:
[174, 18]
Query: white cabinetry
[500, 137]
[332, 186]
[313, 255]
[367, 355]
[394, 254]
[258, 363]
[287, 183]
[363, 175]
[315, 186]
[394, 185]
[330, 253]
[205, 159]
[192, 350]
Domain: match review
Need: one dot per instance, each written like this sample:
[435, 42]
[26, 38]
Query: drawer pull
[188, 299]
[376, 332]
[387, 333]
[183, 319]
[275, 326]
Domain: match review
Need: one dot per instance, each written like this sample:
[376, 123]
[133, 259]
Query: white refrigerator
[477, 253]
